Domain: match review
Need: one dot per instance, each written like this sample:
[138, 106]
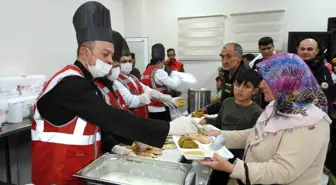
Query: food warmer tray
[166, 172]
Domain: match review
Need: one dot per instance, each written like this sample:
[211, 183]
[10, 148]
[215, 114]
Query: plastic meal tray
[205, 148]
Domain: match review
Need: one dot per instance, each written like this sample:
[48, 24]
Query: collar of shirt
[86, 73]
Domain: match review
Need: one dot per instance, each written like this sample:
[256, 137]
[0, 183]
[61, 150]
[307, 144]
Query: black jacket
[322, 75]
[76, 96]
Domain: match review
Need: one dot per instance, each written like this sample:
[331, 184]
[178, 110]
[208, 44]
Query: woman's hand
[218, 163]
[213, 132]
[203, 122]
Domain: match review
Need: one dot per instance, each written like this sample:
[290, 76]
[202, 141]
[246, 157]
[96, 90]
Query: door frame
[145, 41]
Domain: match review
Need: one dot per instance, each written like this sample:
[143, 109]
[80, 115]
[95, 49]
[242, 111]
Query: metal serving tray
[167, 172]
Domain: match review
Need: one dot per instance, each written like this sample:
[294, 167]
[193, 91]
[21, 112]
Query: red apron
[136, 89]
[147, 78]
[58, 152]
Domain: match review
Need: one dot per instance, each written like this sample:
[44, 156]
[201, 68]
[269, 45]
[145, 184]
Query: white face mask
[126, 68]
[114, 74]
[101, 68]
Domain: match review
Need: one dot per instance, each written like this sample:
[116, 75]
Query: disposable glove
[182, 126]
[155, 93]
[175, 101]
[122, 150]
[144, 99]
[142, 146]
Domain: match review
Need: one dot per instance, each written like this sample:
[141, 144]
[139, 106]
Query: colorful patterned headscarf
[292, 83]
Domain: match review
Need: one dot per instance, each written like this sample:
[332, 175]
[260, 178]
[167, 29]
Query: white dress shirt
[161, 77]
[131, 100]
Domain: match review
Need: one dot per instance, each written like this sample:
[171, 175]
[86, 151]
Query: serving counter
[202, 173]
[15, 160]
[114, 169]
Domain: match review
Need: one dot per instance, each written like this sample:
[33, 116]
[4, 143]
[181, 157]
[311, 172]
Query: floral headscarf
[292, 83]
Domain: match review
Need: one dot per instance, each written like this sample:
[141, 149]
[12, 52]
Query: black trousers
[331, 155]
[165, 116]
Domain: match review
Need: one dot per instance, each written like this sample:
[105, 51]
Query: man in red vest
[156, 78]
[174, 65]
[69, 112]
[172, 62]
[136, 95]
[109, 91]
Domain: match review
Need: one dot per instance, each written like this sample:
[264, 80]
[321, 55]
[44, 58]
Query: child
[239, 112]
[219, 89]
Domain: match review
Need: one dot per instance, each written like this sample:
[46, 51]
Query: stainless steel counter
[10, 134]
[203, 173]
[13, 128]
[173, 155]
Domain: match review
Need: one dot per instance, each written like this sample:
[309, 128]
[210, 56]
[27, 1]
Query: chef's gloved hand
[144, 99]
[122, 150]
[142, 146]
[175, 100]
[155, 93]
[182, 126]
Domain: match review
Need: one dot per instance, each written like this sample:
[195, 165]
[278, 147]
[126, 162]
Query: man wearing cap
[69, 111]
[136, 95]
[157, 78]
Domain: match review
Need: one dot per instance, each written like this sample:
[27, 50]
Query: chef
[69, 112]
[136, 95]
[156, 78]
[111, 94]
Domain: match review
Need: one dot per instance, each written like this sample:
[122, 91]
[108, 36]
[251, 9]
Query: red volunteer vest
[58, 152]
[147, 78]
[116, 102]
[175, 66]
[136, 89]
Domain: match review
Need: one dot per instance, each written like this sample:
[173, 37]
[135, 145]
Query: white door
[139, 46]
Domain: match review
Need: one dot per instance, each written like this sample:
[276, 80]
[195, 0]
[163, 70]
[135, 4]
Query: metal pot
[198, 98]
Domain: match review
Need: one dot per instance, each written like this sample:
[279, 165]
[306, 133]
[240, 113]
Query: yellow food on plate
[197, 114]
[194, 153]
[169, 146]
[180, 102]
[187, 142]
[151, 152]
[200, 138]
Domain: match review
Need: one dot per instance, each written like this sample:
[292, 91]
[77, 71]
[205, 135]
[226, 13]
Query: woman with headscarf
[289, 142]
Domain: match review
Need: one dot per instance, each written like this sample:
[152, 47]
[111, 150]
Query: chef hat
[92, 22]
[118, 42]
[125, 50]
[158, 51]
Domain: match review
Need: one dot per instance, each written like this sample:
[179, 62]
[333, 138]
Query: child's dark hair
[249, 75]
[218, 78]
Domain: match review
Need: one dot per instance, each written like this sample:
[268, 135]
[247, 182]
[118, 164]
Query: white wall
[157, 19]
[37, 36]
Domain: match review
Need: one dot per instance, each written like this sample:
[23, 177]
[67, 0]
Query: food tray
[129, 166]
[205, 148]
[210, 116]
[196, 119]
